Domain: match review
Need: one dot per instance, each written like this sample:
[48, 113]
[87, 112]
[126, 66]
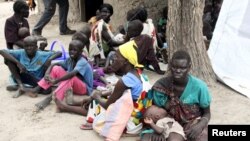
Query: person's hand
[50, 80]
[110, 86]
[148, 120]
[21, 68]
[47, 77]
[46, 64]
[86, 102]
[195, 130]
[53, 81]
[43, 45]
[96, 95]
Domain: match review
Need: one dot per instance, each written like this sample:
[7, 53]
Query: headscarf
[129, 51]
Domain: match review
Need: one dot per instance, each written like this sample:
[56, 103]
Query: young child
[92, 57]
[91, 53]
[22, 33]
[28, 65]
[15, 22]
[157, 119]
[74, 74]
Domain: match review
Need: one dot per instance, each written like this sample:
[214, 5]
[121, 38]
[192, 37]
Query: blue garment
[34, 66]
[134, 83]
[84, 69]
[49, 11]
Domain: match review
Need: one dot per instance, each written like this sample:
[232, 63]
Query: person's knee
[56, 68]
[10, 64]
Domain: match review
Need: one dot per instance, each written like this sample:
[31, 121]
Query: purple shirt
[11, 28]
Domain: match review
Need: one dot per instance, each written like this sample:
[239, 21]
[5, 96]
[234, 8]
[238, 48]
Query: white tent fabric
[229, 50]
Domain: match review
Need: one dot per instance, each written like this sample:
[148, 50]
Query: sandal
[86, 126]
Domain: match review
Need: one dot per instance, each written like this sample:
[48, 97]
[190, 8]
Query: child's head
[106, 11]
[75, 49]
[86, 30]
[30, 45]
[23, 32]
[139, 13]
[155, 113]
[81, 37]
[135, 28]
[21, 8]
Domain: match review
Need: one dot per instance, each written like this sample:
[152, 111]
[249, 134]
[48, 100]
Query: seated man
[28, 65]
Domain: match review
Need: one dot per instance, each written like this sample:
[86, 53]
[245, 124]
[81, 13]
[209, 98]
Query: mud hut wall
[121, 7]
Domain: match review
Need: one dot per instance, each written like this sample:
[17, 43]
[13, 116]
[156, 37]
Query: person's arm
[9, 57]
[156, 128]
[66, 76]
[19, 43]
[97, 60]
[197, 128]
[47, 73]
[159, 41]
[104, 80]
[151, 57]
[54, 56]
[117, 93]
[110, 41]
[11, 34]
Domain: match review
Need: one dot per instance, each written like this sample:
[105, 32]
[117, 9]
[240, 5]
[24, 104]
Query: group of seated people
[176, 107]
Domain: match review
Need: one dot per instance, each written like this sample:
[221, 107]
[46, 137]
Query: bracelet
[205, 119]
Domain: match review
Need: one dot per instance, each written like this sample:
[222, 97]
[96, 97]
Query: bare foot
[33, 95]
[86, 126]
[60, 105]
[69, 96]
[19, 93]
[44, 103]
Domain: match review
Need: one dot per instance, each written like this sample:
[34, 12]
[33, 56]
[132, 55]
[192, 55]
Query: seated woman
[143, 45]
[101, 33]
[127, 90]
[185, 98]
[140, 13]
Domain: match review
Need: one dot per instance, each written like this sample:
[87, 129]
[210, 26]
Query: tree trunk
[74, 11]
[184, 31]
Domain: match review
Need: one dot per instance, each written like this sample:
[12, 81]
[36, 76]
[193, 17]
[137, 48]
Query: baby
[157, 118]
[24, 32]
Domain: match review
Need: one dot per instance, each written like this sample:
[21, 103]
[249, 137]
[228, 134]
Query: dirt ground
[19, 123]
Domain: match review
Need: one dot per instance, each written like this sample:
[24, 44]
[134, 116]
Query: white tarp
[229, 50]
